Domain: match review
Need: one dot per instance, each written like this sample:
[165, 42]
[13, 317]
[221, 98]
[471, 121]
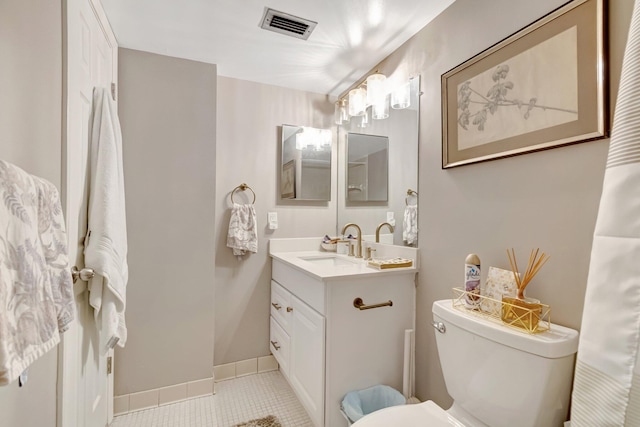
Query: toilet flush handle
[440, 327]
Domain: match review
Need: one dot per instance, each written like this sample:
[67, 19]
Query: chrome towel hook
[85, 274]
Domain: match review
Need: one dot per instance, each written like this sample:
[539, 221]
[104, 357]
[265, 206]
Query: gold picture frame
[542, 87]
[288, 182]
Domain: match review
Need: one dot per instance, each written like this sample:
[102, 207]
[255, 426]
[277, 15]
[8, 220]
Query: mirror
[305, 171]
[400, 130]
[367, 167]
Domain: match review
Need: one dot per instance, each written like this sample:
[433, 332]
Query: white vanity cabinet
[297, 342]
[326, 346]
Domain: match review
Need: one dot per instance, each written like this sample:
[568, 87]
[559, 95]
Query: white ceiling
[351, 37]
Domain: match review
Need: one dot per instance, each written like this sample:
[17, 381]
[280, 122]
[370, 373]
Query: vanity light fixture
[377, 96]
[364, 120]
[357, 101]
[373, 92]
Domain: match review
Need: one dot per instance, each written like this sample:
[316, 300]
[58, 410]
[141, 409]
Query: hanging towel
[243, 236]
[410, 226]
[105, 248]
[36, 291]
[607, 377]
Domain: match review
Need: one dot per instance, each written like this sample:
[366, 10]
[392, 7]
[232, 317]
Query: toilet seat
[420, 415]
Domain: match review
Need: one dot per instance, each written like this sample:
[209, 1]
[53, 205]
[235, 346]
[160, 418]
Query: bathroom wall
[167, 109]
[30, 137]
[248, 145]
[545, 200]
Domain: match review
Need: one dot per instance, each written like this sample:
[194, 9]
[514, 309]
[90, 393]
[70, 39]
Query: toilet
[497, 376]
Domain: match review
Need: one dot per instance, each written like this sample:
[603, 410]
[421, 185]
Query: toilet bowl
[419, 415]
[497, 376]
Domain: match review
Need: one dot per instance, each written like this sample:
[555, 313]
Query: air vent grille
[287, 24]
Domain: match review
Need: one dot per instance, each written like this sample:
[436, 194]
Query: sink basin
[330, 261]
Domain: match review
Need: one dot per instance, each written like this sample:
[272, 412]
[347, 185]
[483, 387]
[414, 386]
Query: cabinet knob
[276, 305]
[289, 309]
[275, 345]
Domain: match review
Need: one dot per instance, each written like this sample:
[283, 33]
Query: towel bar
[85, 274]
[243, 187]
[410, 193]
[360, 305]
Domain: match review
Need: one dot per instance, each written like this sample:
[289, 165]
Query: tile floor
[236, 401]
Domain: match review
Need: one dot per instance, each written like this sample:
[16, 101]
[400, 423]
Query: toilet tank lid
[558, 341]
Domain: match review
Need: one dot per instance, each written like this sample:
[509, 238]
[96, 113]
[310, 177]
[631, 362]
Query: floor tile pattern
[237, 400]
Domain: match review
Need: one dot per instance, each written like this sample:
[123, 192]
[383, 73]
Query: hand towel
[607, 377]
[36, 290]
[243, 235]
[106, 241]
[410, 225]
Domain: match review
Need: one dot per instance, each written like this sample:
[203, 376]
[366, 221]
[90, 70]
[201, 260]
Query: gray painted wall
[250, 116]
[167, 109]
[547, 199]
[30, 137]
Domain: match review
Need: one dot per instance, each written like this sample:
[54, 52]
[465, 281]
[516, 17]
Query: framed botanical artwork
[288, 180]
[543, 87]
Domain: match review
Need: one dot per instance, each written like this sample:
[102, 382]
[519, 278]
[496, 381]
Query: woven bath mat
[269, 421]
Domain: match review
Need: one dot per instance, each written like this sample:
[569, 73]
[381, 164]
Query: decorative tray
[530, 317]
[383, 264]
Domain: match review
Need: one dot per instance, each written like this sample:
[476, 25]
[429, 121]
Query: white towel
[607, 378]
[106, 242]
[36, 291]
[243, 235]
[410, 225]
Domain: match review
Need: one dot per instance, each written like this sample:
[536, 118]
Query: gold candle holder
[523, 313]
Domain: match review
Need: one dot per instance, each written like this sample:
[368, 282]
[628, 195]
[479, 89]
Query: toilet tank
[501, 376]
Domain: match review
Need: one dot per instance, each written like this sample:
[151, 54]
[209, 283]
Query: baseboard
[241, 368]
[162, 396]
[205, 387]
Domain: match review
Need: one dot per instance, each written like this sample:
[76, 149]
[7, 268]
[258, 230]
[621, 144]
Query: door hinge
[113, 91]
[109, 363]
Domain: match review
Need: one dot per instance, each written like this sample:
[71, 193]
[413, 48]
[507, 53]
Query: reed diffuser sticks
[533, 266]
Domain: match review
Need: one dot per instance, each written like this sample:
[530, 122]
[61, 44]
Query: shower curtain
[607, 378]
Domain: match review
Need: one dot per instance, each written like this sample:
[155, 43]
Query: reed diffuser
[524, 312]
[534, 265]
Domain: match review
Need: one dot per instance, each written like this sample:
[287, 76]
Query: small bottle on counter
[472, 281]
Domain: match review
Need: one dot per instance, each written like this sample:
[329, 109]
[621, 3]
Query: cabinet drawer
[279, 345]
[281, 307]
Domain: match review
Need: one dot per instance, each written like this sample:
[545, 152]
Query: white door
[85, 397]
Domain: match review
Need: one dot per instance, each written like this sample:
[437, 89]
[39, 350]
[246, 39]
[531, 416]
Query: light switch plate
[272, 218]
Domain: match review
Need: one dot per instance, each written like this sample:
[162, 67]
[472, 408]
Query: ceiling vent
[286, 24]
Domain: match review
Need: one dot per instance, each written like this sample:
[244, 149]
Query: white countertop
[307, 256]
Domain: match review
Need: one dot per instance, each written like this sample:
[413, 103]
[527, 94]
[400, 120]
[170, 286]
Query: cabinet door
[306, 370]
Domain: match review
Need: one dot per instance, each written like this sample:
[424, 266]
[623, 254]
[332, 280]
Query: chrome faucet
[359, 247]
[378, 230]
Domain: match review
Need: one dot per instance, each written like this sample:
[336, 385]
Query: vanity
[323, 332]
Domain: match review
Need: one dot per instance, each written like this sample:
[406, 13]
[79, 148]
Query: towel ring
[410, 193]
[243, 187]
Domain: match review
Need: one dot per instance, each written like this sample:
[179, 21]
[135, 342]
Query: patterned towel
[36, 291]
[243, 235]
[410, 225]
